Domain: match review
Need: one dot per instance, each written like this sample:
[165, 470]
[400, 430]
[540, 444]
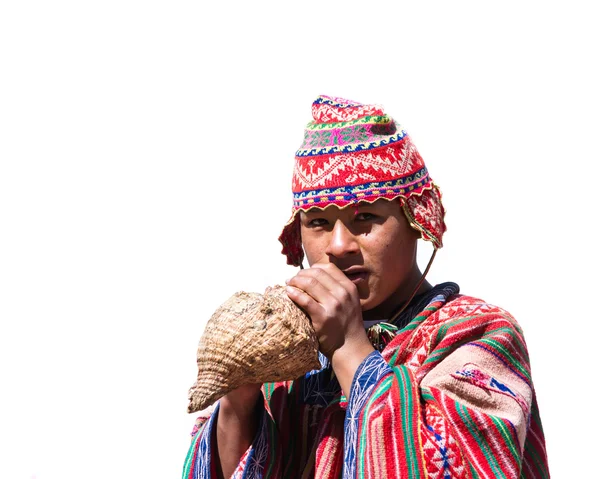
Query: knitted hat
[351, 153]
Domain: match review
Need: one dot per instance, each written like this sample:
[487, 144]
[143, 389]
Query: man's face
[373, 244]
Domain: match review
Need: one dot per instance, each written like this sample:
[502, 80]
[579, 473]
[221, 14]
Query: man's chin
[367, 304]
[364, 294]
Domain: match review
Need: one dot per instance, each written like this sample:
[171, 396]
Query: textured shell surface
[252, 338]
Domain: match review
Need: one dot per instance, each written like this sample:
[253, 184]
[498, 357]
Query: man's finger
[315, 283]
[304, 300]
[336, 278]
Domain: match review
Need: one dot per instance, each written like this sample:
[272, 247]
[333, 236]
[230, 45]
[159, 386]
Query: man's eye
[364, 217]
[317, 222]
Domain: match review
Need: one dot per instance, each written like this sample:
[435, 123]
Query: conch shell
[253, 338]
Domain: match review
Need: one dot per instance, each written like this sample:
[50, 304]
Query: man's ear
[415, 232]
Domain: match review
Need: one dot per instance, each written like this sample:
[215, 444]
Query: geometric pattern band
[352, 193]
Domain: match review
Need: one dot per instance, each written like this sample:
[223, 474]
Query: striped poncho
[450, 397]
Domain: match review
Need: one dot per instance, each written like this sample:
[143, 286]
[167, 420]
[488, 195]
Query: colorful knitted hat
[351, 153]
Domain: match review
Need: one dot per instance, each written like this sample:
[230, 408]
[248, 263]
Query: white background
[146, 152]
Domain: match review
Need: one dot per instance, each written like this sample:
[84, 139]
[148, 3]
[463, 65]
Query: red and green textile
[450, 397]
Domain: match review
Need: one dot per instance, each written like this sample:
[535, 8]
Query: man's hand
[332, 302]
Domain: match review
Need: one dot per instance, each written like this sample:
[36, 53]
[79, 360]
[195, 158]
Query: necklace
[381, 334]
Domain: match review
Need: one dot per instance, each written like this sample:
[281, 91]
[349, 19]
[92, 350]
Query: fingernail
[287, 281]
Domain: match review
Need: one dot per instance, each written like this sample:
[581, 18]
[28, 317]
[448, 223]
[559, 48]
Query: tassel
[381, 334]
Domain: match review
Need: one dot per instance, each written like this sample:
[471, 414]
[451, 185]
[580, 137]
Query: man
[417, 380]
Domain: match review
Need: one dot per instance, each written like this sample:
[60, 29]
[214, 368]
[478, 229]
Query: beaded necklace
[381, 334]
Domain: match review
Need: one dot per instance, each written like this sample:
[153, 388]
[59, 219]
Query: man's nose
[342, 241]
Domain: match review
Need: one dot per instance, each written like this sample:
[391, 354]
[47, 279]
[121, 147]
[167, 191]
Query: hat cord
[407, 302]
